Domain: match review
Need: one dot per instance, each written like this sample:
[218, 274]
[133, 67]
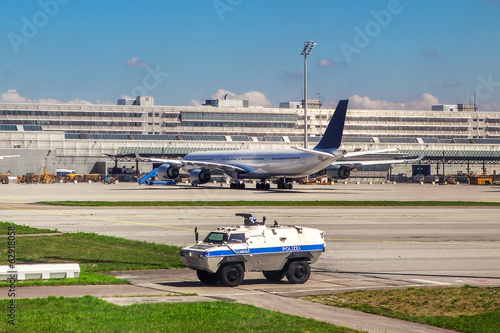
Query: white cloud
[13, 96]
[195, 102]
[326, 62]
[255, 98]
[425, 103]
[358, 102]
[136, 62]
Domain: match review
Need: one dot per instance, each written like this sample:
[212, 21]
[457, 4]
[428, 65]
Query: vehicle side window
[237, 238]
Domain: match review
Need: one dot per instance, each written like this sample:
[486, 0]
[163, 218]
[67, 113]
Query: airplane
[276, 165]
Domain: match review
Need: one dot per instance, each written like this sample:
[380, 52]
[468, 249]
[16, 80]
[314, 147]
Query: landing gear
[285, 186]
[240, 186]
[263, 186]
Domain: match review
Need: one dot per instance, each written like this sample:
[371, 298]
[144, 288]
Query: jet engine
[167, 171]
[199, 176]
[339, 171]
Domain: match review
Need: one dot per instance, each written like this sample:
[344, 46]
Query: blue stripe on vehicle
[268, 250]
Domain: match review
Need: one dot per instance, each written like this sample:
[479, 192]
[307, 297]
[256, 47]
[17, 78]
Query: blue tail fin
[333, 134]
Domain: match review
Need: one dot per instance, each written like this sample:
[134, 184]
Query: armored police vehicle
[277, 251]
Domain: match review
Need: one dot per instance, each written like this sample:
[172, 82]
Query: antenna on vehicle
[196, 234]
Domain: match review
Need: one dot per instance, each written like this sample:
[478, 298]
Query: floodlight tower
[308, 46]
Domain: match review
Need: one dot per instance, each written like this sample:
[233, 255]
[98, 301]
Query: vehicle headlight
[201, 255]
[182, 253]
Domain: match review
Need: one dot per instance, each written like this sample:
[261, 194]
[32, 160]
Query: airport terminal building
[79, 136]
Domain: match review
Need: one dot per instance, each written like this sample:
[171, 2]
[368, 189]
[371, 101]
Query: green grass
[272, 203]
[465, 309]
[90, 314]
[22, 229]
[94, 253]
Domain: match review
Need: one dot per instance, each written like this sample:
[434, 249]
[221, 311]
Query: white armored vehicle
[277, 251]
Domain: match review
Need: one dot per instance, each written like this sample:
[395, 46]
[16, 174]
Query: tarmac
[421, 243]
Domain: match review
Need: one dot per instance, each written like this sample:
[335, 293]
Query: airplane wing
[209, 165]
[368, 152]
[377, 162]
[200, 164]
[173, 162]
[8, 156]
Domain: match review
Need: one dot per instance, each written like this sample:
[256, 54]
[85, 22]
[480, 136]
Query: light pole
[308, 46]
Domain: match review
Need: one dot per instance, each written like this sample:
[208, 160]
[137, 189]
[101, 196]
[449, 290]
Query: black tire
[298, 272]
[290, 186]
[274, 276]
[231, 275]
[207, 277]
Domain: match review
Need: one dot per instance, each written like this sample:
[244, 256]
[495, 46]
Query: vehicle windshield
[219, 238]
[216, 237]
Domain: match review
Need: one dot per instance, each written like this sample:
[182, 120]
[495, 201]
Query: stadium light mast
[308, 46]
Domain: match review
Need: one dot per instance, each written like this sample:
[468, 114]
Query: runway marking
[432, 282]
[190, 229]
[478, 281]
[99, 218]
[409, 242]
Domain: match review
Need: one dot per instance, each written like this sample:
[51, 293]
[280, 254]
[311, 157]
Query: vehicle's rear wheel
[298, 271]
[207, 277]
[274, 276]
[231, 275]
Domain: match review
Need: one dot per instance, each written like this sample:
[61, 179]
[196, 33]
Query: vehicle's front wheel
[298, 272]
[207, 277]
[231, 275]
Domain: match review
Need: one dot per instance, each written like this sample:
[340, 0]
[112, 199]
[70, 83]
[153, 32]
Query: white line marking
[432, 282]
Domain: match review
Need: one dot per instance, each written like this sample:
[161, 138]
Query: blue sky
[380, 54]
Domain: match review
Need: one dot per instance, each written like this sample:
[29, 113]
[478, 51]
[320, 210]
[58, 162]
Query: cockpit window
[216, 237]
[237, 238]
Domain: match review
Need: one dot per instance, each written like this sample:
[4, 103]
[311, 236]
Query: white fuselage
[264, 164]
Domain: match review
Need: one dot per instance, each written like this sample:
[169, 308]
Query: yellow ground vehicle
[92, 177]
[481, 179]
[72, 177]
[4, 178]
